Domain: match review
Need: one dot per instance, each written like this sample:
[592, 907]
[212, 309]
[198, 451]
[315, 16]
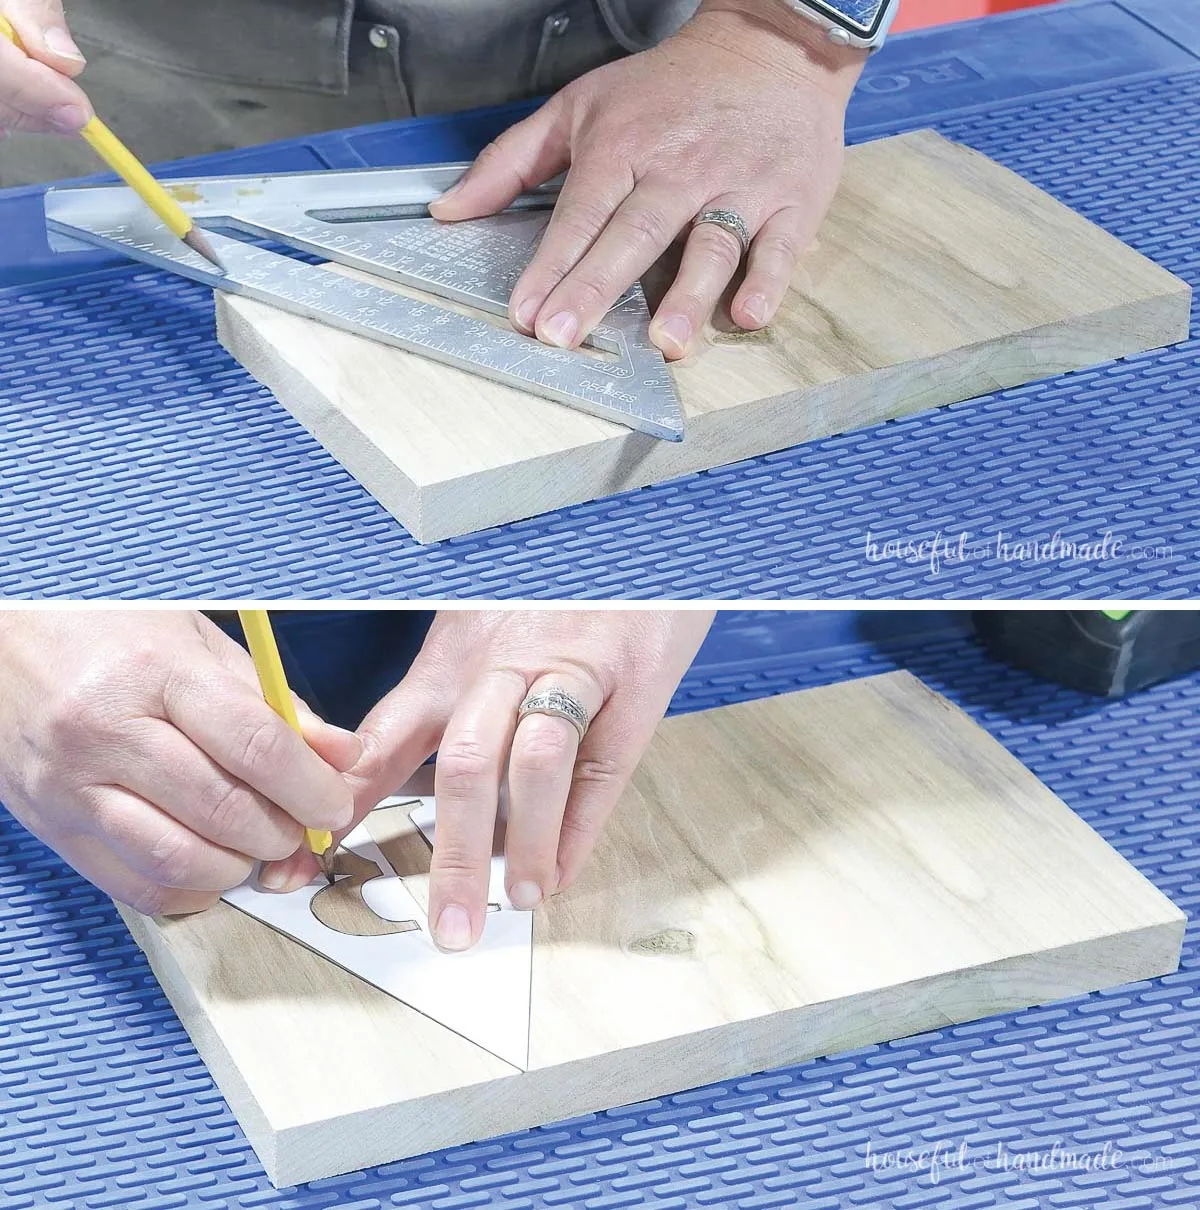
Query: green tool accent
[1116, 615]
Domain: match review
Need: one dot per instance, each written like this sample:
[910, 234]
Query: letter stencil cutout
[482, 995]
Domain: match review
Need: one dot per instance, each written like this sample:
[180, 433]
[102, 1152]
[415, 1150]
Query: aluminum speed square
[377, 221]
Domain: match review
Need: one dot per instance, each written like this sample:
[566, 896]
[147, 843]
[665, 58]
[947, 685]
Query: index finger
[231, 722]
[521, 158]
[587, 201]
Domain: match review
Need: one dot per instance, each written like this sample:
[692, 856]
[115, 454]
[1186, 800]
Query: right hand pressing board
[139, 748]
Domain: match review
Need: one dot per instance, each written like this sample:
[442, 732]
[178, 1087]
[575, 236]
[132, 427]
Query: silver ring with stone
[560, 704]
[731, 221]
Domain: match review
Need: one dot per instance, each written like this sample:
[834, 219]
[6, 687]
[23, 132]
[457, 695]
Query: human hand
[460, 699]
[37, 90]
[139, 747]
[743, 109]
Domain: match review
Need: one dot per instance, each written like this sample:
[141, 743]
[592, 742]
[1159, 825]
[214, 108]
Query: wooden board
[939, 276]
[784, 878]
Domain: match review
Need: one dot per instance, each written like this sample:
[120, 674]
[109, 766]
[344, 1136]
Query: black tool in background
[1110, 653]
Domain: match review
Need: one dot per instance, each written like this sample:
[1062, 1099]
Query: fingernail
[453, 931]
[755, 309]
[67, 119]
[525, 314]
[675, 332]
[560, 329]
[62, 44]
[525, 895]
[274, 878]
[444, 197]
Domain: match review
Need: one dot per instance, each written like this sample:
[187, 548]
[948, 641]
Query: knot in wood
[668, 941]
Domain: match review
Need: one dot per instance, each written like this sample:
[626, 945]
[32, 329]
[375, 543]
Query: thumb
[335, 746]
[42, 30]
[524, 156]
[393, 741]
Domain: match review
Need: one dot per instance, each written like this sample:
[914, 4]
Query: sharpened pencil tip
[197, 241]
[325, 861]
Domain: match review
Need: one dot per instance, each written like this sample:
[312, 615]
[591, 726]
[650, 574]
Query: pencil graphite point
[325, 861]
[196, 240]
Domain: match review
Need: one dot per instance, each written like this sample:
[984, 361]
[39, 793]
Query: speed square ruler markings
[376, 220]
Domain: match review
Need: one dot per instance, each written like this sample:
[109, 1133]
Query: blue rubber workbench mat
[105, 1104]
[138, 460]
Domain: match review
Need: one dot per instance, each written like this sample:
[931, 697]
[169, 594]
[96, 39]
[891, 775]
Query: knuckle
[580, 221]
[536, 283]
[491, 152]
[648, 225]
[97, 708]
[223, 807]
[691, 301]
[70, 719]
[169, 860]
[545, 745]
[591, 291]
[260, 746]
[143, 658]
[720, 245]
[599, 772]
[79, 718]
[780, 247]
[109, 820]
[454, 877]
[454, 868]
[464, 763]
[575, 830]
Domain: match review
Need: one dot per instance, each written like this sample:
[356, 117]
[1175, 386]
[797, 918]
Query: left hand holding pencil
[38, 93]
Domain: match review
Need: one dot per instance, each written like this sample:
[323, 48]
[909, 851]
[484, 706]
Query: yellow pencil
[130, 169]
[260, 638]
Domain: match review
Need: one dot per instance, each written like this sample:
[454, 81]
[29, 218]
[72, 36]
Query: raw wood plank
[785, 878]
[939, 276]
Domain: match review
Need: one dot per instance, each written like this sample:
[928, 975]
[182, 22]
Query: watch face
[861, 17]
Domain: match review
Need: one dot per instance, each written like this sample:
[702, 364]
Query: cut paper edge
[483, 995]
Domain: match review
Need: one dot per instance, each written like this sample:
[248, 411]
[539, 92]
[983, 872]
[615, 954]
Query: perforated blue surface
[103, 1102]
[138, 459]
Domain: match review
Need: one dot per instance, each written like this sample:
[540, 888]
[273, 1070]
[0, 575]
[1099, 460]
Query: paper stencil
[482, 994]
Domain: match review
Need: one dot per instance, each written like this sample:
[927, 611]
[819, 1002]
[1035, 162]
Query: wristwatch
[861, 23]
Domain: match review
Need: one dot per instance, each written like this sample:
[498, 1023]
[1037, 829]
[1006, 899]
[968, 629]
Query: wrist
[771, 30]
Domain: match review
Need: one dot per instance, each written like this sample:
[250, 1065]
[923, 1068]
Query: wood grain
[341, 907]
[939, 276]
[784, 878]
